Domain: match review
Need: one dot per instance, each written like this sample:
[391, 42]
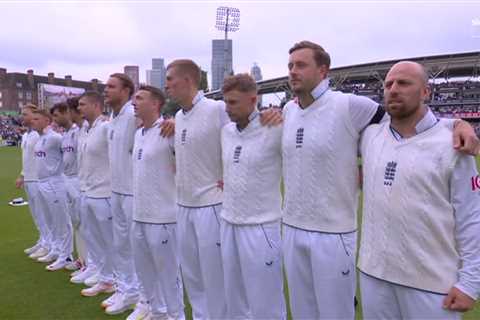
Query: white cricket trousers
[253, 273]
[98, 216]
[122, 212]
[73, 206]
[38, 216]
[53, 202]
[385, 300]
[92, 248]
[198, 234]
[156, 261]
[320, 270]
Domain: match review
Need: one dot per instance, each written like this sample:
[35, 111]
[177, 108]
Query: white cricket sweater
[198, 153]
[408, 229]
[48, 155]
[96, 165]
[70, 151]
[120, 145]
[320, 145]
[29, 170]
[82, 136]
[252, 170]
[154, 199]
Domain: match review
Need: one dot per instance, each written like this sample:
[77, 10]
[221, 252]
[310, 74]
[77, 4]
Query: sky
[92, 39]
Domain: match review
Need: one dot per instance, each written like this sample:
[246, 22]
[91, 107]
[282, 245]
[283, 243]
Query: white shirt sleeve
[465, 198]
[224, 118]
[171, 144]
[362, 111]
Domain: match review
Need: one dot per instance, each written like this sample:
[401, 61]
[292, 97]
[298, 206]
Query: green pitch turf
[27, 290]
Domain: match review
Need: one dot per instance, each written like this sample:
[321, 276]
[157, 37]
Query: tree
[170, 108]
[204, 81]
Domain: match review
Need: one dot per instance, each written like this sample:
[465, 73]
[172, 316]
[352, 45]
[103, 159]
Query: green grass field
[27, 290]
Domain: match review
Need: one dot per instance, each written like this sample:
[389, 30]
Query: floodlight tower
[228, 20]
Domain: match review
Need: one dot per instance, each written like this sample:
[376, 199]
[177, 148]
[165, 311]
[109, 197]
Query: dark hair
[242, 82]
[62, 107]
[156, 93]
[189, 68]
[126, 82]
[73, 103]
[319, 54]
[43, 112]
[93, 97]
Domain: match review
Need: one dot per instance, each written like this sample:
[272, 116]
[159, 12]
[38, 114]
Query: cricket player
[118, 92]
[154, 209]
[251, 214]
[199, 170]
[320, 146]
[96, 207]
[52, 191]
[198, 180]
[89, 269]
[61, 116]
[29, 181]
[420, 248]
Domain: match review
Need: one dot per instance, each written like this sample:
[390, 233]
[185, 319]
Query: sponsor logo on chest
[68, 149]
[40, 154]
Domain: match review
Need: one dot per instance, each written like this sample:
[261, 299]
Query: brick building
[18, 89]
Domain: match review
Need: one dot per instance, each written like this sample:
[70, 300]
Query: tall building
[256, 74]
[156, 76]
[218, 61]
[134, 73]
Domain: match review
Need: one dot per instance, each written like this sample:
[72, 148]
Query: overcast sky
[89, 39]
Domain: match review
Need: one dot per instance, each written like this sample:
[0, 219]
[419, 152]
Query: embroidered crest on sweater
[390, 171]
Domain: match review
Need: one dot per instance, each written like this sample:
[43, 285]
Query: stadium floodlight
[228, 20]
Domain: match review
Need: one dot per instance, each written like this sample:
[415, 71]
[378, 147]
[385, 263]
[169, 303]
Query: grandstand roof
[452, 65]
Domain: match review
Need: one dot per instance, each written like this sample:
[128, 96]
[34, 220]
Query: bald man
[420, 247]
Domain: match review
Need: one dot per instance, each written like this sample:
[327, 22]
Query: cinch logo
[475, 183]
[40, 154]
[183, 138]
[299, 139]
[68, 149]
[390, 170]
[236, 154]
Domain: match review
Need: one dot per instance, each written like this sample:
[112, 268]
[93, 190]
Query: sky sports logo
[475, 183]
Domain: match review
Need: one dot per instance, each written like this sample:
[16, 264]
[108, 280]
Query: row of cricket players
[203, 208]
